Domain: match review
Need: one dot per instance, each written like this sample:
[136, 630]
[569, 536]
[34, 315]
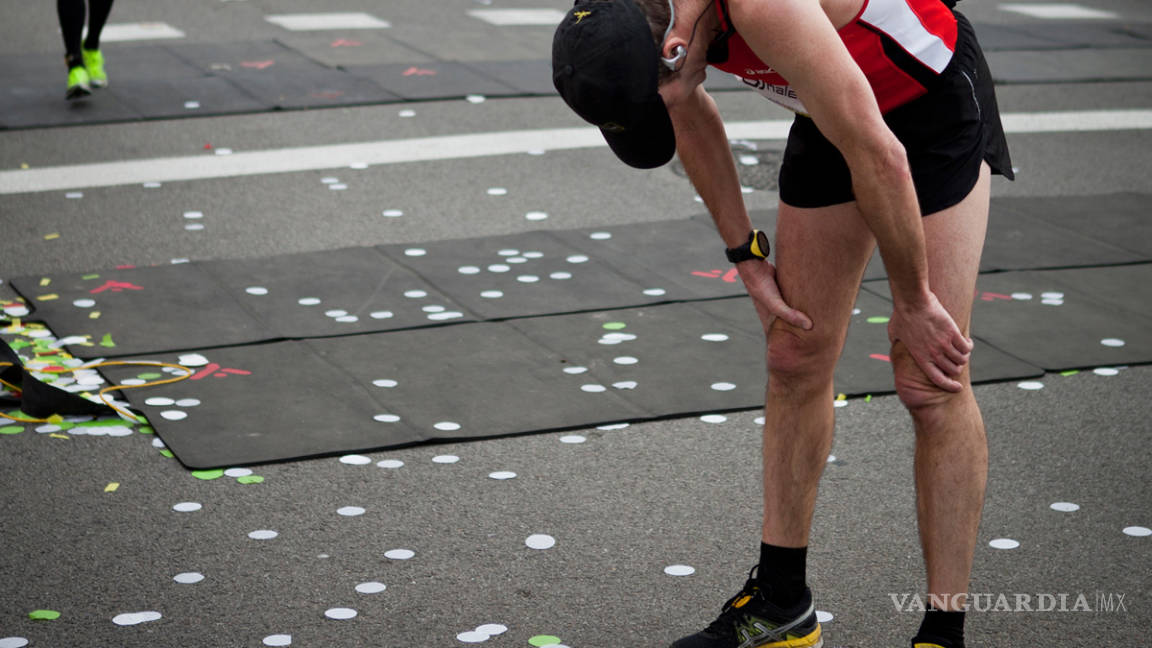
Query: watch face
[759, 245]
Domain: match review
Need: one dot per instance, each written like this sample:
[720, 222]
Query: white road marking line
[509, 17]
[120, 32]
[1058, 11]
[320, 21]
[451, 147]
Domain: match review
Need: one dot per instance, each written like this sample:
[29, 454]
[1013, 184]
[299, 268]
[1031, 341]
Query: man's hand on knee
[934, 341]
[760, 281]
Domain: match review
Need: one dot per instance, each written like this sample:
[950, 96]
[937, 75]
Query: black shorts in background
[946, 133]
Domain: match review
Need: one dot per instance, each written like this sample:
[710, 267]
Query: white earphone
[679, 52]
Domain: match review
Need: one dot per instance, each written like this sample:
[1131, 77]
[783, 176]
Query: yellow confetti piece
[94, 315]
[51, 237]
[55, 435]
[56, 418]
[111, 487]
[841, 397]
[48, 297]
[24, 165]
[45, 281]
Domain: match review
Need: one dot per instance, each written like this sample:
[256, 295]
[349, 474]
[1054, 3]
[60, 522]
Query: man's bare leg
[951, 464]
[820, 256]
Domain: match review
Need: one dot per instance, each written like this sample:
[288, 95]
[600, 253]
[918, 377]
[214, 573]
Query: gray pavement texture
[622, 505]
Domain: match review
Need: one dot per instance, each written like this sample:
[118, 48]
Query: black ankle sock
[939, 625]
[782, 574]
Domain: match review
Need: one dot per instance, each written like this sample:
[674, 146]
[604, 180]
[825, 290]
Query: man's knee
[916, 390]
[797, 357]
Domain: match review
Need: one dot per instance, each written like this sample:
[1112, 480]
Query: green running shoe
[77, 84]
[94, 64]
[749, 620]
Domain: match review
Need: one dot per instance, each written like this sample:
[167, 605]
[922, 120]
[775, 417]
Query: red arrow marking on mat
[259, 65]
[415, 71]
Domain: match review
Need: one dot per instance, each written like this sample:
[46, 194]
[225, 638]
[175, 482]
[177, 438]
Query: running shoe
[749, 620]
[77, 83]
[94, 64]
[932, 642]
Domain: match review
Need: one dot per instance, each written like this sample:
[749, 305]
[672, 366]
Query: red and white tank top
[901, 45]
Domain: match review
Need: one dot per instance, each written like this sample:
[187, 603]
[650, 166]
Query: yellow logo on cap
[580, 15]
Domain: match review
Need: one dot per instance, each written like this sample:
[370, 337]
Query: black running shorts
[947, 133]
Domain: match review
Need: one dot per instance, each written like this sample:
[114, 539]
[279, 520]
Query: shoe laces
[730, 615]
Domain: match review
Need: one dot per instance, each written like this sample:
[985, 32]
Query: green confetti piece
[19, 344]
[544, 640]
[877, 319]
[614, 326]
[868, 398]
[146, 430]
[167, 453]
[106, 341]
[208, 474]
[89, 277]
[44, 615]
[150, 376]
[1071, 372]
[11, 429]
[112, 422]
[250, 479]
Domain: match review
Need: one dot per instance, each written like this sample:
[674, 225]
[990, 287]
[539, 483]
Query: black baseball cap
[605, 66]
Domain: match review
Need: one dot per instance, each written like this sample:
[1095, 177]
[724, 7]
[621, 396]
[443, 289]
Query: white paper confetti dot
[415, 294]
[392, 213]
[380, 314]
[188, 402]
[278, 640]
[191, 105]
[577, 258]
[13, 642]
[223, 151]
[340, 614]
[407, 113]
[446, 315]
[347, 319]
[1022, 296]
[194, 227]
[308, 301]
[187, 507]
[532, 254]
[600, 236]
[540, 541]
[561, 276]
[499, 267]
[174, 415]
[679, 570]
[385, 382]
[1112, 342]
[355, 460]
[625, 384]
[575, 370]
[527, 278]
[415, 252]
[74, 195]
[625, 360]
[1137, 531]
[714, 337]
[447, 426]
[1004, 543]
[723, 386]
[655, 292]
[536, 215]
[238, 472]
[358, 165]
[159, 401]
[831, 458]
[492, 629]
[399, 554]
[84, 303]
[1065, 507]
[475, 98]
[387, 418]
[188, 578]
[824, 617]
[713, 418]
[330, 180]
[371, 587]
[468, 270]
[192, 360]
[133, 618]
[497, 191]
[508, 252]
[573, 438]
[593, 389]
[263, 534]
[350, 511]
[492, 294]
[445, 459]
[612, 426]
[256, 290]
[335, 312]
[390, 463]
[472, 637]
[1105, 371]
[502, 475]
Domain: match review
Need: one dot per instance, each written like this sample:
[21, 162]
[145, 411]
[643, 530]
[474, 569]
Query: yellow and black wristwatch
[756, 248]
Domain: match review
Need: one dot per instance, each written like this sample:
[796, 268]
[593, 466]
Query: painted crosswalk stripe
[509, 17]
[450, 147]
[1058, 11]
[321, 21]
[121, 32]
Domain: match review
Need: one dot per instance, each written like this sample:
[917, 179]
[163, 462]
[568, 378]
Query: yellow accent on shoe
[926, 645]
[94, 64]
[77, 83]
[813, 639]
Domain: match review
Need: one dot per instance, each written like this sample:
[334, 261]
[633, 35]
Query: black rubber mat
[437, 80]
[527, 77]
